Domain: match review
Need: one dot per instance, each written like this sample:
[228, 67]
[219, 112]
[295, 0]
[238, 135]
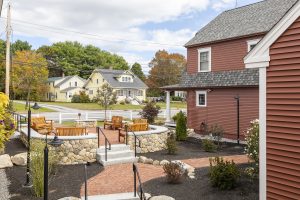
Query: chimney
[110, 67]
[63, 75]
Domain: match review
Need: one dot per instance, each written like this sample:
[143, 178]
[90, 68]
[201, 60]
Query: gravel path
[4, 194]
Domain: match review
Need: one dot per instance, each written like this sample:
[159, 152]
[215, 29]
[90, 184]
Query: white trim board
[259, 56]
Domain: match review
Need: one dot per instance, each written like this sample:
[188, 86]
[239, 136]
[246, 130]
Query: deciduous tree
[73, 58]
[106, 97]
[29, 75]
[137, 70]
[166, 69]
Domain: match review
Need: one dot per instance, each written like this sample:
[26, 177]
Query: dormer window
[126, 79]
[204, 59]
[252, 44]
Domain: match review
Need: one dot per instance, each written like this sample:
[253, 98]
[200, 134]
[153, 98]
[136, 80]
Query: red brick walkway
[119, 178]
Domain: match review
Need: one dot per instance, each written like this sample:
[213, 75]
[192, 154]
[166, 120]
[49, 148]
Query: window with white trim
[201, 98]
[91, 92]
[120, 93]
[204, 59]
[252, 44]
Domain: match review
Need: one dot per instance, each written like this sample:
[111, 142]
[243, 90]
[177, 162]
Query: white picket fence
[99, 115]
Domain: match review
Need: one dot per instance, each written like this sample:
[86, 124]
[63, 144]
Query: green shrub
[82, 97]
[181, 129]
[252, 148]
[37, 166]
[208, 145]
[122, 102]
[171, 144]
[175, 117]
[150, 112]
[217, 133]
[7, 123]
[173, 172]
[223, 174]
[176, 98]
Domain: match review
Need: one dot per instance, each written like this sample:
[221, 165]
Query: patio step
[120, 196]
[119, 154]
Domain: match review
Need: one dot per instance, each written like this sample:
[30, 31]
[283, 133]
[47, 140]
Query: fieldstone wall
[149, 142]
[73, 151]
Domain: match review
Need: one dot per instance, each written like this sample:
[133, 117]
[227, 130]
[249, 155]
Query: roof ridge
[261, 1]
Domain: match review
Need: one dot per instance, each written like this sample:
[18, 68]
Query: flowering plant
[7, 124]
[252, 147]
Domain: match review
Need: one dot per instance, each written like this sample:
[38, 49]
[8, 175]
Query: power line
[95, 36]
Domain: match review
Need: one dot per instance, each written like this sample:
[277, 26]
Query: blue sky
[135, 29]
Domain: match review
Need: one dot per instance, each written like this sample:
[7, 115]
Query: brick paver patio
[119, 178]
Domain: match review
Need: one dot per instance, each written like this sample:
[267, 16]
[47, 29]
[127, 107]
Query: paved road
[69, 114]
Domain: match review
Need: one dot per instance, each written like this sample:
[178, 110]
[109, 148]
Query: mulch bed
[67, 180]
[200, 188]
[192, 148]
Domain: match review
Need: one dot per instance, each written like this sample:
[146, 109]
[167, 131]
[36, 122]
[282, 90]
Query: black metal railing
[127, 128]
[107, 144]
[19, 119]
[136, 176]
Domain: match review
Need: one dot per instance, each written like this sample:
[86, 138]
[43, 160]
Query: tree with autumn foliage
[166, 69]
[29, 75]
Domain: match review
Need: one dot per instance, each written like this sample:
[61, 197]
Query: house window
[252, 44]
[70, 84]
[139, 93]
[204, 57]
[91, 91]
[75, 83]
[97, 81]
[119, 92]
[201, 98]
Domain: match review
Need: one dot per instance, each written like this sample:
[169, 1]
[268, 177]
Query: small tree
[150, 111]
[181, 132]
[252, 148]
[82, 97]
[106, 97]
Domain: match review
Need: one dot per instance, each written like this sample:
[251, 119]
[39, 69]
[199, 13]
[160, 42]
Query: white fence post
[59, 118]
[86, 116]
[110, 115]
[130, 114]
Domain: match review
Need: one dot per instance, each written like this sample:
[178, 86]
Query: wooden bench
[70, 131]
[40, 123]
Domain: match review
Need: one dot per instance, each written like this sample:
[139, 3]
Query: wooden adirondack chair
[115, 123]
[40, 123]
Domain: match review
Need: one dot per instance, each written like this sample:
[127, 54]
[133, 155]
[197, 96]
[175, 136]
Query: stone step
[114, 161]
[114, 147]
[115, 154]
[120, 196]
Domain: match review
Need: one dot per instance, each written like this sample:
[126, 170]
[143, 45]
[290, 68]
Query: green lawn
[95, 106]
[18, 107]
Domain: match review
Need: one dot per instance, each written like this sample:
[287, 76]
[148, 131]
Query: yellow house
[126, 85]
[63, 88]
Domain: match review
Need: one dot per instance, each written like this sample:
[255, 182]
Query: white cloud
[223, 4]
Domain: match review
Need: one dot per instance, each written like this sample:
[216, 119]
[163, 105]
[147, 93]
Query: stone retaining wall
[73, 151]
[151, 141]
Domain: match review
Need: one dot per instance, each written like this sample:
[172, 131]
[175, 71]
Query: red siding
[227, 55]
[222, 109]
[283, 117]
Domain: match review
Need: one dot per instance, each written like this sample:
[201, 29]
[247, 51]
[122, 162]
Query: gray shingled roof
[52, 79]
[234, 78]
[111, 77]
[68, 89]
[247, 20]
[65, 79]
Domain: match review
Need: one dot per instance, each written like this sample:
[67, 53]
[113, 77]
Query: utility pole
[8, 33]
[1, 4]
